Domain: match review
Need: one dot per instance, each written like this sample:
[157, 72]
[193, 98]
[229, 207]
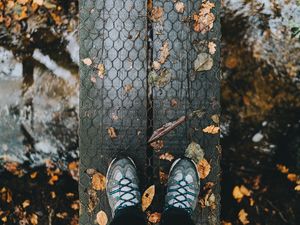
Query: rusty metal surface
[120, 35]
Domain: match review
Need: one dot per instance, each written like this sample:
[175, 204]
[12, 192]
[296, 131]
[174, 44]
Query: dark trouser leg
[129, 216]
[176, 216]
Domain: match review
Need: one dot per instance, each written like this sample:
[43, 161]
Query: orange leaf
[166, 156]
[154, 217]
[112, 132]
[148, 197]
[243, 217]
[101, 218]
[156, 13]
[212, 129]
[203, 168]
[98, 182]
[292, 177]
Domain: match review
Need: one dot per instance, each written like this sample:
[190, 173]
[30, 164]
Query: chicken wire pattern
[122, 36]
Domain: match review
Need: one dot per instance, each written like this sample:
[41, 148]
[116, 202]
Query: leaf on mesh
[98, 182]
[212, 129]
[215, 118]
[147, 197]
[128, 88]
[87, 61]
[164, 52]
[101, 218]
[157, 145]
[211, 47]
[203, 62]
[101, 71]
[204, 20]
[180, 7]
[194, 152]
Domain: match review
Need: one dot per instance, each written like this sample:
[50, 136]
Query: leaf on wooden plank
[212, 129]
[98, 181]
[112, 132]
[180, 7]
[215, 118]
[101, 71]
[156, 13]
[167, 156]
[164, 52]
[87, 61]
[194, 152]
[203, 62]
[211, 47]
[147, 197]
[154, 217]
[203, 168]
[243, 217]
[101, 218]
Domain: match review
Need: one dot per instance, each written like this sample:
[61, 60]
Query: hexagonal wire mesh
[134, 97]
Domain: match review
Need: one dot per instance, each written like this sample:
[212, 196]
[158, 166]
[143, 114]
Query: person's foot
[122, 185]
[183, 185]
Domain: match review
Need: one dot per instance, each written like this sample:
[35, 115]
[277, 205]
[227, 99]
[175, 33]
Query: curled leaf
[98, 182]
[147, 197]
[243, 217]
[194, 152]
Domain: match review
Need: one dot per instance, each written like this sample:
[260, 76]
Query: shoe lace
[125, 187]
[181, 194]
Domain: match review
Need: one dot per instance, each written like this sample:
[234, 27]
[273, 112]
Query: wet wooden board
[120, 35]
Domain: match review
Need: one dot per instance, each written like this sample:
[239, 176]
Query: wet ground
[260, 118]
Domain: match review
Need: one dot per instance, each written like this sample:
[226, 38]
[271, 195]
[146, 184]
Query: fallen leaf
[147, 197]
[231, 62]
[39, 2]
[74, 170]
[215, 118]
[166, 156]
[240, 191]
[26, 203]
[164, 52]
[112, 132]
[157, 145]
[93, 200]
[101, 71]
[53, 194]
[203, 62]
[61, 215]
[211, 47]
[173, 102]
[282, 168]
[156, 13]
[33, 175]
[203, 168]
[194, 152]
[156, 65]
[297, 188]
[179, 6]
[98, 182]
[75, 205]
[93, 79]
[252, 202]
[243, 217]
[226, 223]
[34, 219]
[212, 129]
[164, 78]
[245, 191]
[154, 217]
[163, 177]
[101, 218]
[128, 88]
[204, 20]
[87, 61]
[292, 177]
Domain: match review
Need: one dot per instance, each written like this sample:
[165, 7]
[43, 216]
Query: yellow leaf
[282, 168]
[26, 203]
[292, 177]
[98, 182]
[101, 218]
[156, 13]
[166, 156]
[203, 168]
[212, 129]
[164, 52]
[34, 219]
[215, 118]
[237, 194]
[245, 191]
[148, 197]
[243, 217]
[101, 71]
[154, 217]
[87, 61]
[297, 188]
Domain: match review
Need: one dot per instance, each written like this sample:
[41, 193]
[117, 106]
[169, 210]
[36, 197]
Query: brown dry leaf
[297, 188]
[163, 177]
[98, 182]
[282, 168]
[212, 129]
[4, 219]
[156, 65]
[252, 202]
[164, 52]
[13, 167]
[39, 2]
[204, 20]
[75, 205]
[239, 192]
[226, 223]
[166, 156]
[57, 19]
[203, 168]
[26, 203]
[157, 145]
[243, 217]
[53, 194]
[33, 175]
[21, 13]
[148, 197]
[74, 170]
[87, 61]
[154, 217]
[203, 62]
[180, 7]
[128, 88]
[194, 152]
[215, 118]
[292, 177]
[93, 79]
[53, 179]
[34, 219]
[101, 71]
[173, 102]
[156, 13]
[22, 2]
[211, 47]
[61, 215]
[101, 218]
[112, 132]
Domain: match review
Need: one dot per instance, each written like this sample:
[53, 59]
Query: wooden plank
[112, 33]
